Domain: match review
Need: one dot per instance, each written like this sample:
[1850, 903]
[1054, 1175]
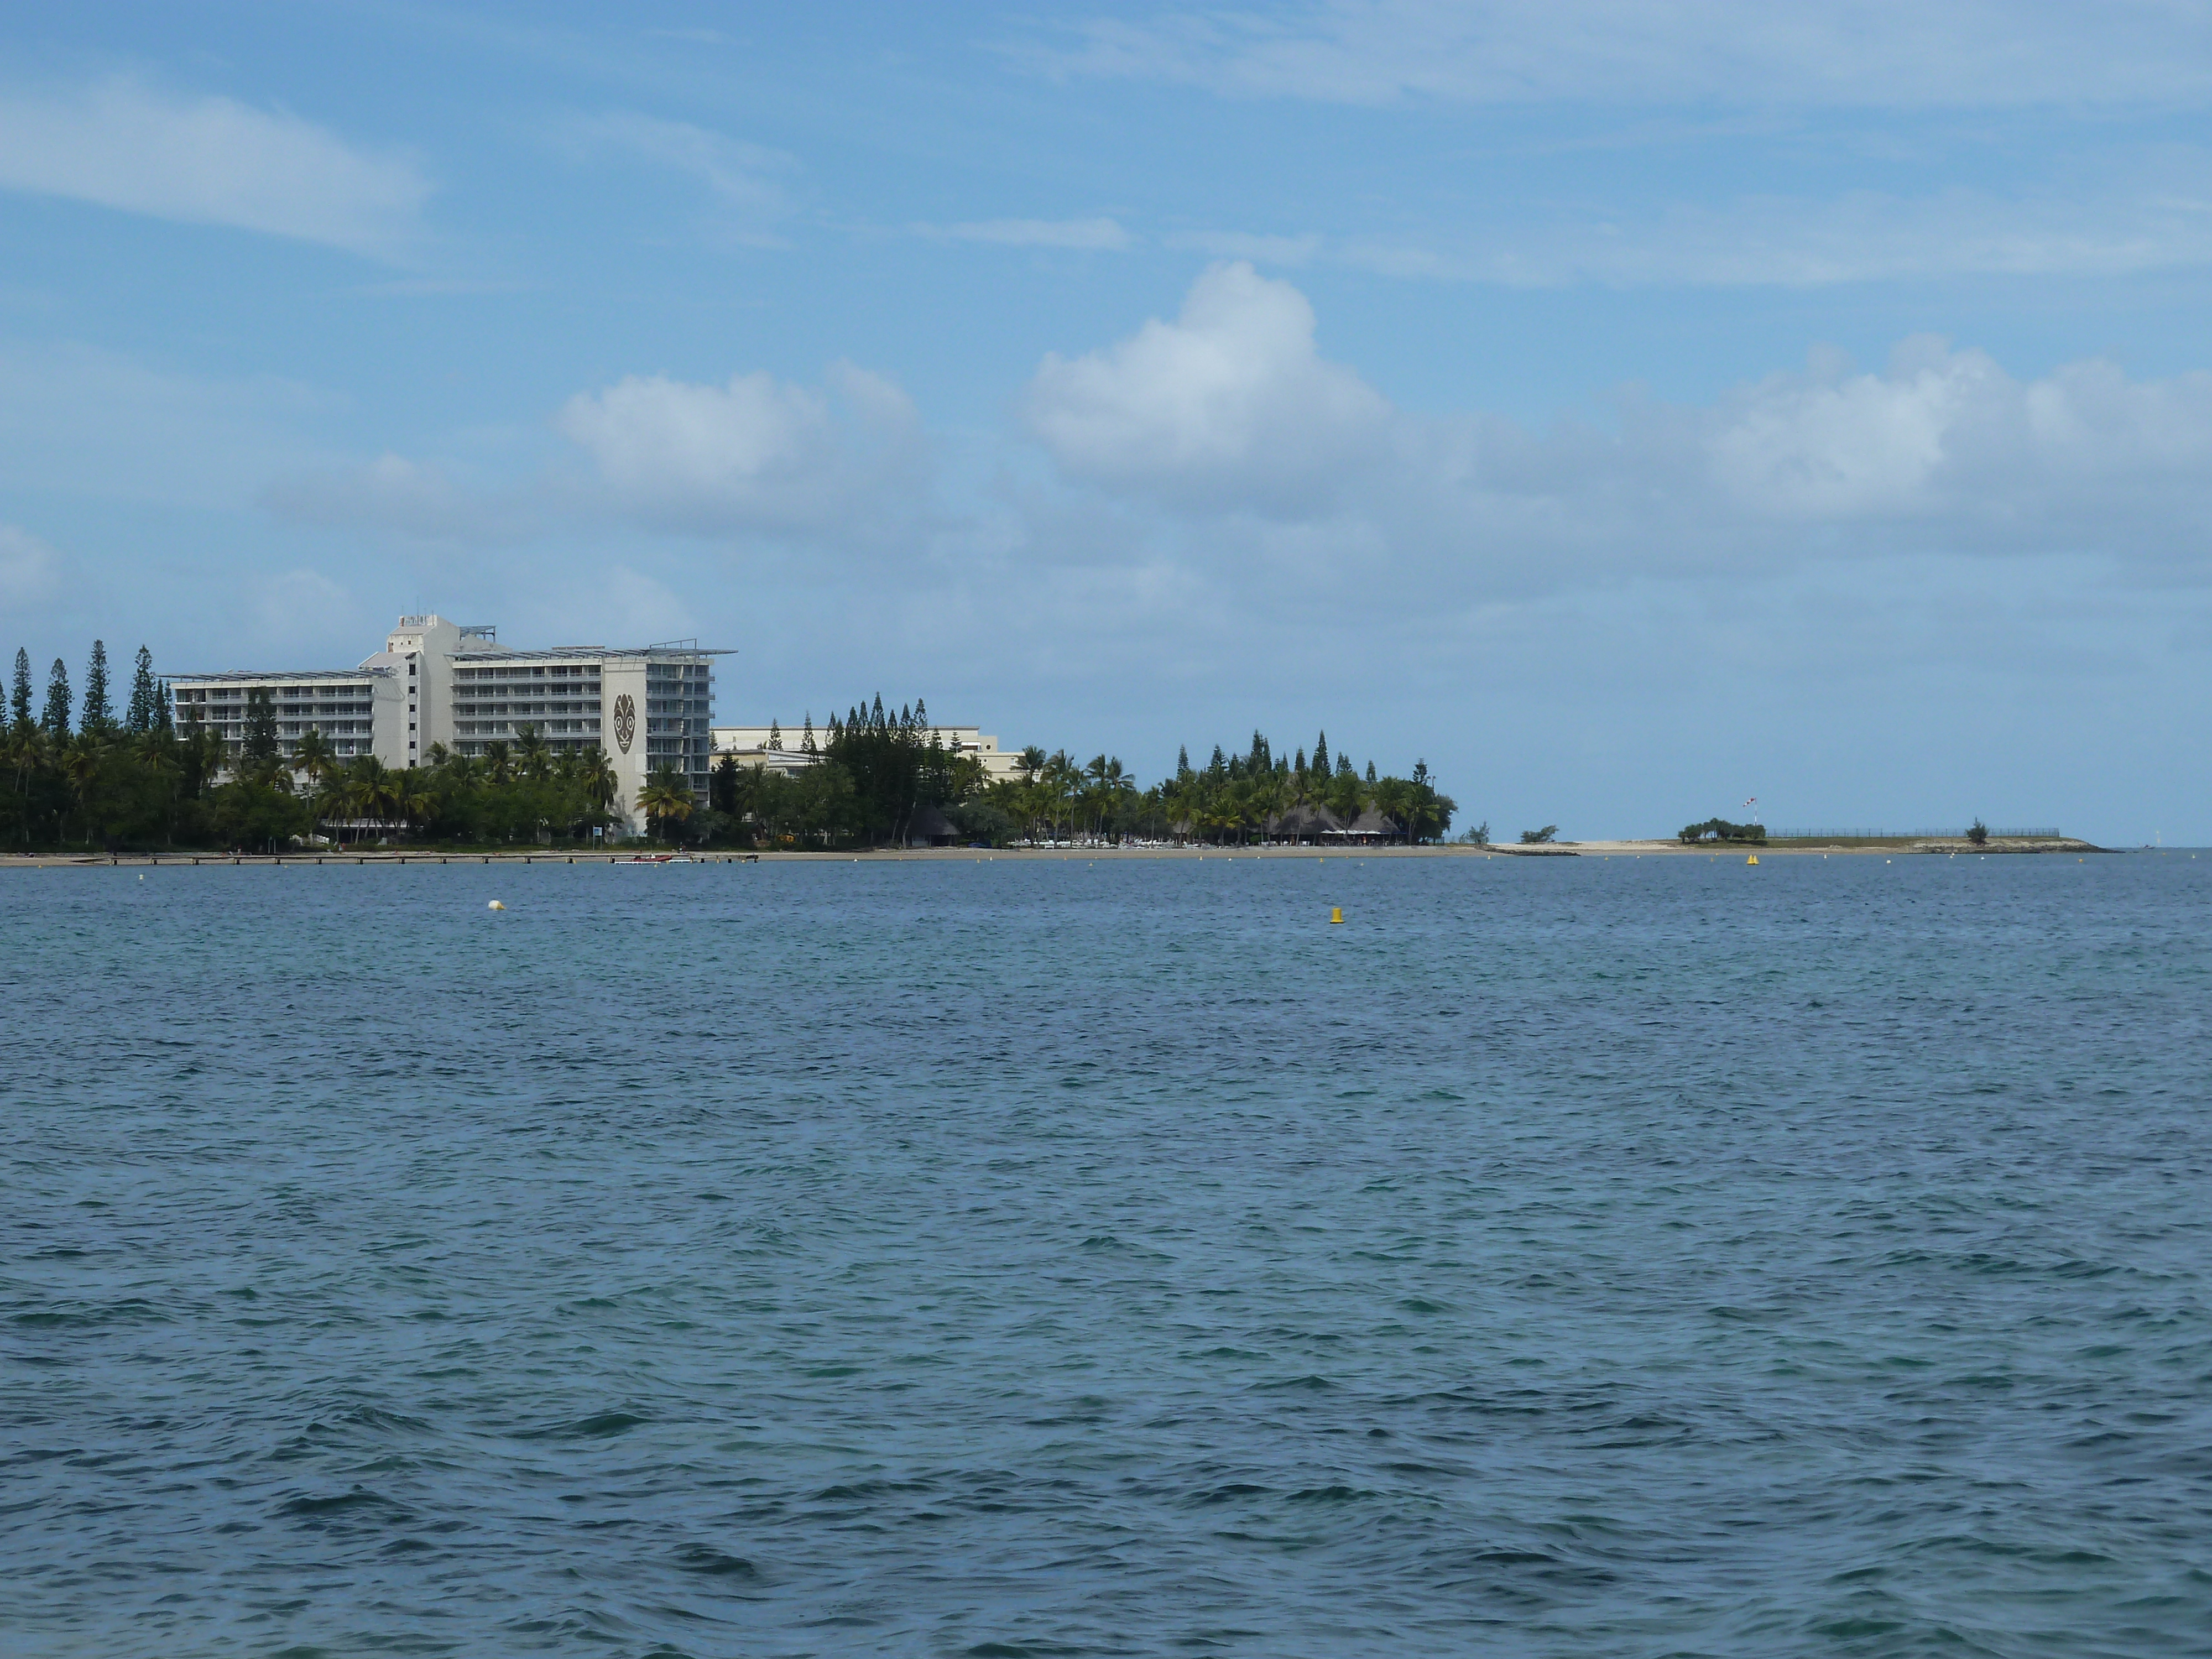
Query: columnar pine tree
[19, 701]
[258, 741]
[1321, 754]
[807, 737]
[55, 716]
[1371, 771]
[140, 721]
[99, 711]
[774, 735]
[1182, 760]
[1344, 766]
[164, 721]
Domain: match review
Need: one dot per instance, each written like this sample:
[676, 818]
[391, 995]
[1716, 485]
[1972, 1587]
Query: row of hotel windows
[591, 673]
[233, 747]
[231, 728]
[237, 693]
[473, 750]
[504, 728]
[584, 708]
[298, 710]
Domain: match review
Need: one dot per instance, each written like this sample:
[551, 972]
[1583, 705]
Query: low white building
[438, 683]
[751, 746]
[361, 711]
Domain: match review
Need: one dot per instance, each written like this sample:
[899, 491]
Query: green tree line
[880, 768]
[79, 775]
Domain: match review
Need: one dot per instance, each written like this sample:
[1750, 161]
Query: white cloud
[29, 569]
[1092, 235]
[755, 455]
[1230, 402]
[1734, 53]
[209, 160]
[1224, 437]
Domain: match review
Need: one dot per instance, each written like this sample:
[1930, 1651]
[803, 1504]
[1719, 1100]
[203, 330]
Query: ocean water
[1561, 1256]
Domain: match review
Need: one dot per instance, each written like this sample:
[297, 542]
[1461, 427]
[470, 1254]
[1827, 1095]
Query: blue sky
[1628, 408]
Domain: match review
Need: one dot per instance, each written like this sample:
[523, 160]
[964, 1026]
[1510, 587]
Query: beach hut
[1305, 824]
[930, 827]
[1371, 828]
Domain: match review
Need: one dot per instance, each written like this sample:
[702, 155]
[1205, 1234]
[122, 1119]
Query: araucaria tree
[54, 718]
[99, 712]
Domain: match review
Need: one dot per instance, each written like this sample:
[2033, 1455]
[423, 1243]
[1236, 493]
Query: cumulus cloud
[1734, 53]
[209, 160]
[1231, 402]
[756, 453]
[1250, 451]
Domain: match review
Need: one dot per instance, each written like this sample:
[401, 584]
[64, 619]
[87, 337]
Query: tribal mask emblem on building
[625, 721]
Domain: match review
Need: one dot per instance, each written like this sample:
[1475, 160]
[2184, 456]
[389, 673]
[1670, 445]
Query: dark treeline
[884, 774]
[1720, 830]
[80, 774]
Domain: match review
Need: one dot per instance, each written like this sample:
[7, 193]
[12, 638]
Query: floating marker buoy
[495, 905]
[1754, 858]
[1336, 913]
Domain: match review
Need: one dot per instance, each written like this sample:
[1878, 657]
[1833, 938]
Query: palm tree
[535, 759]
[665, 796]
[313, 757]
[499, 766]
[27, 752]
[81, 767]
[372, 788]
[1062, 779]
[597, 774]
[413, 804]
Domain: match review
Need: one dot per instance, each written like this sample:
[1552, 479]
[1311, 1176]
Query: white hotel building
[436, 682]
[748, 746]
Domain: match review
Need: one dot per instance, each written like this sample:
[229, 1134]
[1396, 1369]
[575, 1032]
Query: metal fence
[1996, 834]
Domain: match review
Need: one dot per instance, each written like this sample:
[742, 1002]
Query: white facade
[437, 683]
[750, 744]
[360, 711]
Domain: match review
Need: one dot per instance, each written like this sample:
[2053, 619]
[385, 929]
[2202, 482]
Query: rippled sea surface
[1561, 1256]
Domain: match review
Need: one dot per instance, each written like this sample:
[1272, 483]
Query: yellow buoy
[1336, 913]
[495, 905]
[1754, 858]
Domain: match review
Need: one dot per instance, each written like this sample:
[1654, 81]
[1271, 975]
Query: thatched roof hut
[1303, 823]
[1372, 826]
[930, 827]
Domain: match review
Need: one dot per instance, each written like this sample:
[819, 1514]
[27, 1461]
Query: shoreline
[1600, 849]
